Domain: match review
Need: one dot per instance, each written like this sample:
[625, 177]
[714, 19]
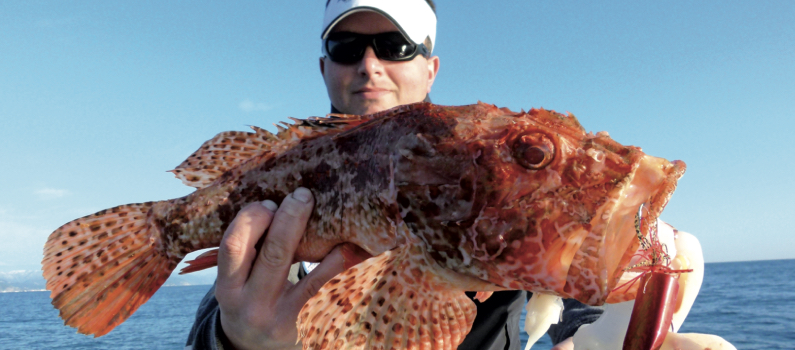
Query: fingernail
[271, 205]
[302, 194]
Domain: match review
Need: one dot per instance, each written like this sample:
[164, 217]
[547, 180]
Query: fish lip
[651, 182]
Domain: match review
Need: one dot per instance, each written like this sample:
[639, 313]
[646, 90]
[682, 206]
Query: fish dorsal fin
[229, 149]
[394, 300]
[219, 154]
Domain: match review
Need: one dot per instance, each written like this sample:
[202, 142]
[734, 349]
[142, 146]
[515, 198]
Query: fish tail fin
[391, 301]
[102, 267]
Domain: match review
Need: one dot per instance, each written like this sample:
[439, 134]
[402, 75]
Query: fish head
[538, 203]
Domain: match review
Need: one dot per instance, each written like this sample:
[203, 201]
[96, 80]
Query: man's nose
[370, 63]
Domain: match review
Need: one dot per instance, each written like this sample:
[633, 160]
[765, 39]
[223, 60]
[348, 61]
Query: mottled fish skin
[352, 175]
[490, 199]
[547, 227]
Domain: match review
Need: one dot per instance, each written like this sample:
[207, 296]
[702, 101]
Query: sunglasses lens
[345, 48]
[348, 48]
[394, 47]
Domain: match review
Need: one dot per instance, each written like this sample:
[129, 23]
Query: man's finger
[566, 344]
[308, 286]
[237, 250]
[276, 255]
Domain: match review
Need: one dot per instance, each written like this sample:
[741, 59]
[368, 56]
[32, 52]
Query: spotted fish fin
[205, 260]
[229, 149]
[221, 153]
[102, 267]
[394, 300]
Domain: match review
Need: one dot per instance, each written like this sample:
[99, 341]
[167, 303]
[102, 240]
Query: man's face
[373, 85]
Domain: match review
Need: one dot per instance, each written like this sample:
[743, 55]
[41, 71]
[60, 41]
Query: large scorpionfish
[444, 199]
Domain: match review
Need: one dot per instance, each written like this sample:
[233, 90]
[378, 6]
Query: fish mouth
[651, 185]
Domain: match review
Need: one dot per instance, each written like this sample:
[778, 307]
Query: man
[377, 55]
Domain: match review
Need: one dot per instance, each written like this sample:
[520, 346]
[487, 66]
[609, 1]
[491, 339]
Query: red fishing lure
[657, 293]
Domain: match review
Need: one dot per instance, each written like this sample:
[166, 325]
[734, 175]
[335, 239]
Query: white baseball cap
[414, 18]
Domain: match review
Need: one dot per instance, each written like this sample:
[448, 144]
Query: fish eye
[533, 151]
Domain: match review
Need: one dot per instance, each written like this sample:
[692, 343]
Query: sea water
[750, 304]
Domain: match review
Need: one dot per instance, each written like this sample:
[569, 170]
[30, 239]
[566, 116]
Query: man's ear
[322, 67]
[433, 69]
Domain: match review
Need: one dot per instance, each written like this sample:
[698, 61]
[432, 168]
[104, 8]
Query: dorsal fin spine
[230, 149]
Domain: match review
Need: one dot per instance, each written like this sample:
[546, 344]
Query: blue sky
[98, 99]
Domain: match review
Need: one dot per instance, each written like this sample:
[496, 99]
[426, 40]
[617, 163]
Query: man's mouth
[371, 92]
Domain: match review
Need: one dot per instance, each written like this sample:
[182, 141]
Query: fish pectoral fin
[395, 300]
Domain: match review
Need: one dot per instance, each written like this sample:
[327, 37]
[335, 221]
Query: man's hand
[567, 344]
[259, 307]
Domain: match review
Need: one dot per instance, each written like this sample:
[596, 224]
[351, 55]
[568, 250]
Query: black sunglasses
[348, 48]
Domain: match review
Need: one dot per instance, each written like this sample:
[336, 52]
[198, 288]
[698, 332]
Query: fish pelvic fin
[483, 296]
[204, 261]
[102, 267]
[392, 301]
[230, 149]
[353, 255]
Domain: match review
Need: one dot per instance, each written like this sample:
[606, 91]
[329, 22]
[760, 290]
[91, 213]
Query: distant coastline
[32, 281]
[17, 290]
[19, 281]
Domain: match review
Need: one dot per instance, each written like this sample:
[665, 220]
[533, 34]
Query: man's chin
[371, 107]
